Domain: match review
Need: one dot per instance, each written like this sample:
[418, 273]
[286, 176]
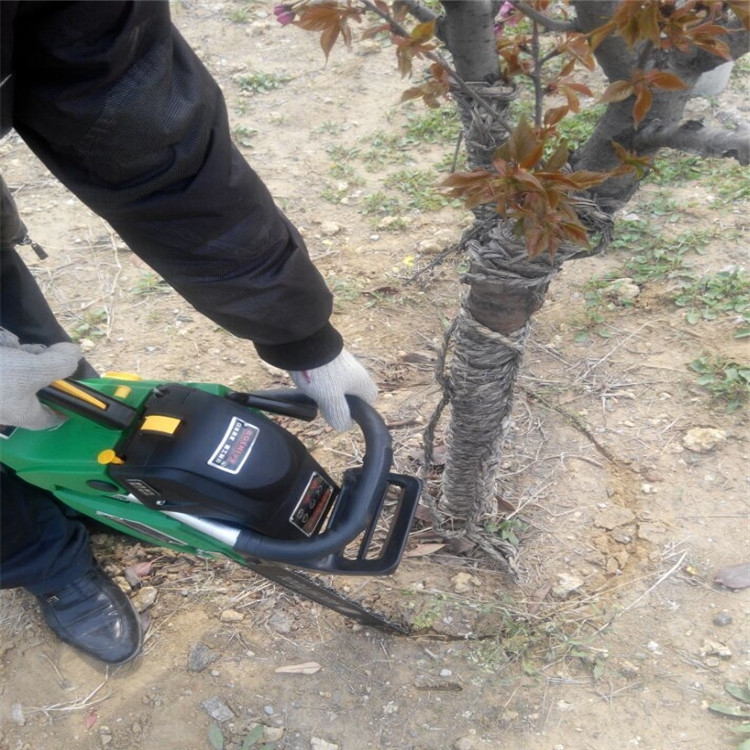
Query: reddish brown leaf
[372, 31]
[577, 45]
[555, 115]
[331, 19]
[583, 179]
[631, 162]
[637, 21]
[523, 145]
[142, 569]
[581, 88]
[568, 68]
[734, 576]
[661, 79]
[598, 35]
[328, 39]
[617, 91]
[741, 9]
[643, 99]
[558, 159]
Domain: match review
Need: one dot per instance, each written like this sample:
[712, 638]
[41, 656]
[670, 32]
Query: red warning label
[235, 447]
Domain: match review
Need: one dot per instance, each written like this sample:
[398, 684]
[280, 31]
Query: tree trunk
[470, 36]
[492, 325]
[504, 286]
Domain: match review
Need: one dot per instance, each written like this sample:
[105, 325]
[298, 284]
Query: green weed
[386, 148]
[440, 125]
[381, 204]
[728, 382]
[726, 293]
[243, 136]
[253, 740]
[238, 15]
[602, 296]
[260, 83]
[677, 168]
[343, 170]
[578, 128]
[344, 291]
[150, 283]
[91, 325]
[507, 530]
[726, 180]
[330, 127]
[738, 710]
[342, 153]
[335, 195]
[420, 189]
[428, 616]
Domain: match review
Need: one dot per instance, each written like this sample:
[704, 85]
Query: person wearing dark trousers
[119, 108]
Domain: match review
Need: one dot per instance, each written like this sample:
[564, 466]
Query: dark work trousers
[41, 549]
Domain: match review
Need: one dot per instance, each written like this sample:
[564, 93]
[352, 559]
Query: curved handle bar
[358, 503]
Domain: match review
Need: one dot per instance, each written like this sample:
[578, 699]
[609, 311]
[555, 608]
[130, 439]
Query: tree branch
[436, 57]
[696, 138]
[419, 10]
[543, 20]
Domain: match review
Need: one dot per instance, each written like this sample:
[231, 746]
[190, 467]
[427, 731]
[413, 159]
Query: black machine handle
[88, 402]
[283, 401]
[358, 502]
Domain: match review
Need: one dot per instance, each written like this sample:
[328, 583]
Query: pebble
[566, 585]
[368, 47]
[272, 734]
[703, 439]
[611, 518]
[144, 598]
[16, 714]
[217, 709]
[318, 744]
[231, 615]
[722, 619]
[429, 247]
[462, 583]
[714, 648]
[466, 742]
[622, 290]
[199, 657]
[280, 622]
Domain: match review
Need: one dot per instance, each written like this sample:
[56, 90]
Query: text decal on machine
[234, 448]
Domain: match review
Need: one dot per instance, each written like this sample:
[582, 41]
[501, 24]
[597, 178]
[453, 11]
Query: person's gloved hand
[328, 384]
[24, 369]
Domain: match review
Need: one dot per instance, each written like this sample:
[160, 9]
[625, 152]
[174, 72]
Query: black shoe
[95, 615]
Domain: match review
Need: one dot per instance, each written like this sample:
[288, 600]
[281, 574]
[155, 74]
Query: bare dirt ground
[616, 635]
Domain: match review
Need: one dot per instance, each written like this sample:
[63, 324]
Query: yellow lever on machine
[72, 390]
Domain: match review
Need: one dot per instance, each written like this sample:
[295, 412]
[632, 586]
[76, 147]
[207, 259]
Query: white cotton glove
[327, 386]
[24, 369]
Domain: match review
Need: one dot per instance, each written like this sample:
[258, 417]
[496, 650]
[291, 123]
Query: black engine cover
[223, 461]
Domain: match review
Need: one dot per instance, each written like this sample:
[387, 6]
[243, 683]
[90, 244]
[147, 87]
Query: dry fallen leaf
[422, 550]
[307, 667]
[734, 576]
